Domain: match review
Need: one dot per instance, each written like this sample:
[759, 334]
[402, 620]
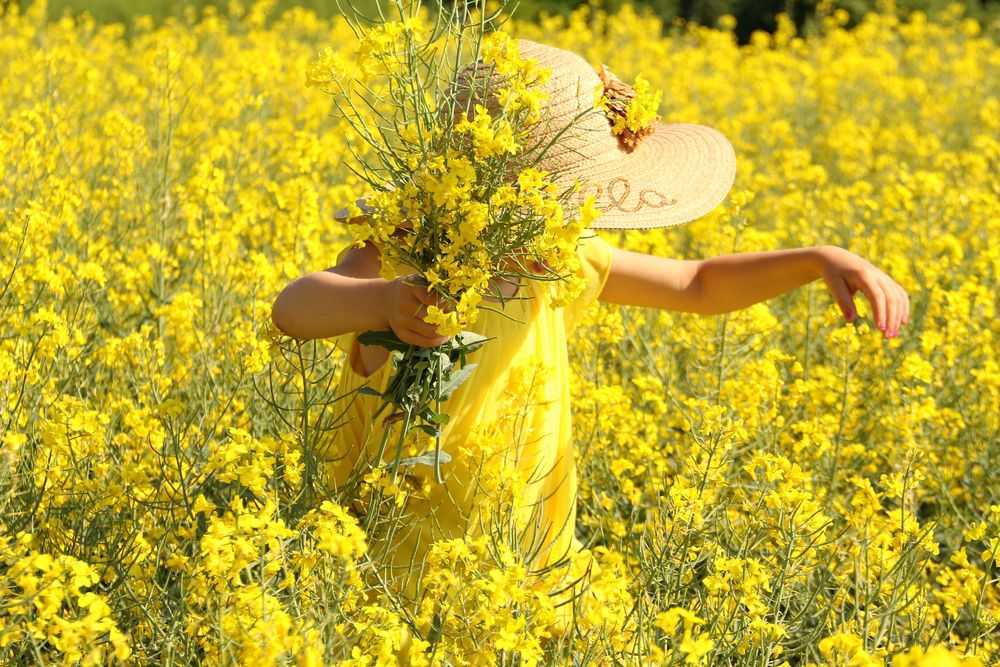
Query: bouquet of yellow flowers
[444, 109]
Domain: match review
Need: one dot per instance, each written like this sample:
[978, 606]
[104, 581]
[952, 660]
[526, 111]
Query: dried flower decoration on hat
[631, 111]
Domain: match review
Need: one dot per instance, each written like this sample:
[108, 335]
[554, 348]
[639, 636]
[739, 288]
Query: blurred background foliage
[750, 15]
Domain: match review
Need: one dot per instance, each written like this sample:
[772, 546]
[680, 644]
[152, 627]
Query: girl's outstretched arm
[730, 282]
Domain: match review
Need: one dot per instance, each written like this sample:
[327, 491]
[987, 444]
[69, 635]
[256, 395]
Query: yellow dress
[509, 438]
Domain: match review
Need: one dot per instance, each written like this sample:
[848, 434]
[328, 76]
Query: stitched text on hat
[617, 194]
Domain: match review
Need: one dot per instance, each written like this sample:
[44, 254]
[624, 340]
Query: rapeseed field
[769, 487]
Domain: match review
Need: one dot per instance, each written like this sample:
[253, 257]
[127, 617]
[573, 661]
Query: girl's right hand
[407, 299]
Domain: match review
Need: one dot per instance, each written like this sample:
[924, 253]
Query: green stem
[437, 438]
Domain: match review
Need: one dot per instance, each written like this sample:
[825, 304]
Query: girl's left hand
[845, 274]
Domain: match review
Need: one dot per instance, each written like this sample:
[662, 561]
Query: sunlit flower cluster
[633, 112]
[766, 487]
[458, 197]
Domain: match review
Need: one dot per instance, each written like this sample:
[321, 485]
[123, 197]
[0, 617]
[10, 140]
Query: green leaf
[387, 339]
[438, 418]
[425, 459]
[456, 379]
[469, 341]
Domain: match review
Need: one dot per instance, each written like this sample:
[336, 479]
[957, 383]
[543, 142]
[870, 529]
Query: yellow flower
[992, 552]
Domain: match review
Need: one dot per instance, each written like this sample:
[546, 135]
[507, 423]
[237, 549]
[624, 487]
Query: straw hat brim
[677, 174]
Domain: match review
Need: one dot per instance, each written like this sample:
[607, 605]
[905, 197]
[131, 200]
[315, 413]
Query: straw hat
[676, 173]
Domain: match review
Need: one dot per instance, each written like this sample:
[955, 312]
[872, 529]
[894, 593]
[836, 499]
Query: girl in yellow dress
[653, 177]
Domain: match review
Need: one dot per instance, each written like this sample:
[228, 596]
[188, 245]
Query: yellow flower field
[771, 487]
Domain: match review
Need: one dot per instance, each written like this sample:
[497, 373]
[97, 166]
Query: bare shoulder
[363, 262]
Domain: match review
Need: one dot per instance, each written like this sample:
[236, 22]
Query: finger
[876, 297]
[426, 296]
[418, 338]
[422, 328]
[906, 310]
[413, 280]
[420, 311]
[421, 293]
[410, 305]
[423, 309]
[901, 305]
[435, 299]
[432, 298]
[845, 299]
[406, 312]
[891, 309]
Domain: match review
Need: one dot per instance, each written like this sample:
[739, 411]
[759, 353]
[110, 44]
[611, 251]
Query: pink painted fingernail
[881, 325]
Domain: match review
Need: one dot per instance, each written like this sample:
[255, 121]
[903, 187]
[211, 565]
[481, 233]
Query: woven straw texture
[678, 174]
